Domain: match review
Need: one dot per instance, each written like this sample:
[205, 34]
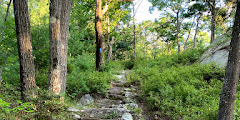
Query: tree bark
[226, 105]
[98, 29]
[196, 31]
[55, 67]
[27, 70]
[178, 31]
[213, 11]
[110, 49]
[59, 30]
[64, 22]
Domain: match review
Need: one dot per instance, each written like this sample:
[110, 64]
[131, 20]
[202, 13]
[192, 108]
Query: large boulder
[218, 51]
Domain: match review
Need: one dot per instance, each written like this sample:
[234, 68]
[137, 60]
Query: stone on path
[71, 109]
[86, 100]
[76, 117]
[127, 116]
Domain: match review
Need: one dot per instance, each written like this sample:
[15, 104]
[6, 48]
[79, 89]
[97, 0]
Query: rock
[106, 103]
[133, 105]
[218, 51]
[220, 57]
[127, 116]
[128, 100]
[128, 94]
[104, 112]
[76, 117]
[86, 100]
[71, 109]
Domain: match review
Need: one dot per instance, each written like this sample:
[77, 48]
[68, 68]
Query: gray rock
[103, 112]
[127, 116]
[71, 109]
[86, 100]
[128, 94]
[220, 57]
[218, 52]
[76, 117]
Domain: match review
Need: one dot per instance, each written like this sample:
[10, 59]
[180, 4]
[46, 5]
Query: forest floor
[122, 103]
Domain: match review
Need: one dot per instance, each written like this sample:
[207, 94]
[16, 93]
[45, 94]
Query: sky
[142, 13]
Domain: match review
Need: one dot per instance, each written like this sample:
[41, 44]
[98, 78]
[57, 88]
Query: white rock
[127, 116]
[71, 109]
[76, 117]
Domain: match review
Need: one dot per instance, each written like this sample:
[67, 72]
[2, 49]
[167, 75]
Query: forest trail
[121, 103]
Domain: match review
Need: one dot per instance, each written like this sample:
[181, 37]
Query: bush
[188, 92]
[42, 107]
[166, 61]
[88, 82]
[181, 88]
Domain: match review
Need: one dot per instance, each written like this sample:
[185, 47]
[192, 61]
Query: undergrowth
[181, 88]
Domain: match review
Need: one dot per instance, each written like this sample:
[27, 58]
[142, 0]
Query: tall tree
[4, 27]
[212, 5]
[64, 22]
[226, 105]
[59, 29]
[27, 70]
[176, 7]
[134, 31]
[55, 47]
[98, 30]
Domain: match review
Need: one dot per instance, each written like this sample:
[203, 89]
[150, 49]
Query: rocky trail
[120, 103]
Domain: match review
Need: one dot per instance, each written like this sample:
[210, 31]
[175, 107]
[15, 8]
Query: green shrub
[113, 66]
[88, 82]
[189, 92]
[42, 107]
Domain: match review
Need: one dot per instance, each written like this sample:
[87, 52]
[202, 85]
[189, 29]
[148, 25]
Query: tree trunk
[213, 20]
[55, 67]
[27, 70]
[189, 33]
[110, 49]
[59, 30]
[98, 29]
[4, 27]
[134, 33]
[178, 31]
[226, 105]
[196, 31]
[64, 22]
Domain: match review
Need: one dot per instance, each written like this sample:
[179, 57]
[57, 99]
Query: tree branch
[106, 7]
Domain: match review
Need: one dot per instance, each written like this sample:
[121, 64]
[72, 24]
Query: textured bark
[59, 30]
[196, 31]
[213, 21]
[55, 67]
[110, 49]
[178, 31]
[64, 22]
[98, 29]
[226, 105]
[27, 70]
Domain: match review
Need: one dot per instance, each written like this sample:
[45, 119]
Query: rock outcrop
[218, 51]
